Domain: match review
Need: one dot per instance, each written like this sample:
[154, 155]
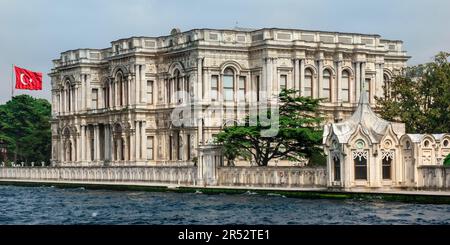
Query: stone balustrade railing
[434, 177]
[272, 176]
[156, 174]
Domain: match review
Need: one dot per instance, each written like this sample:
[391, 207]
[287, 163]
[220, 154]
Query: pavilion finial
[363, 99]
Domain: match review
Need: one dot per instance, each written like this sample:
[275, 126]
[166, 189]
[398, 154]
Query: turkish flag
[26, 79]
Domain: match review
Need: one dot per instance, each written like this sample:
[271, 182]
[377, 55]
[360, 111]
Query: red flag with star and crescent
[26, 79]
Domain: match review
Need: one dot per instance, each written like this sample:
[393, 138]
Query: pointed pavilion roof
[374, 126]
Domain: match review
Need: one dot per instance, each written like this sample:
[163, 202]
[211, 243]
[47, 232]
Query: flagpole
[12, 81]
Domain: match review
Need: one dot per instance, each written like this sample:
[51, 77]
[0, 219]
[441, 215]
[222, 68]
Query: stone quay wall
[165, 175]
[282, 177]
[272, 176]
[434, 177]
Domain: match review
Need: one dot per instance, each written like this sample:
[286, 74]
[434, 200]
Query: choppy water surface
[47, 205]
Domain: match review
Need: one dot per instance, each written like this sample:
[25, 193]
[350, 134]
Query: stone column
[132, 145]
[137, 84]
[302, 77]
[75, 98]
[338, 81]
[88, 91]
[79, 143]
[107, 143]
[363, 79]
[87, 144]
[138, 139]
[110, 94]
[143, 142]
[61, 149]
[200, 78]
[319, 79]
[129, 90]
[296, 82]
[83, 142]
[113, 144]
[126, 155]
[207, 80]
[269, 81]
[59, 102]
[263, 85]
[97, 142]
[379, 80]
[143, 87]
[83, 92]
[358, 80]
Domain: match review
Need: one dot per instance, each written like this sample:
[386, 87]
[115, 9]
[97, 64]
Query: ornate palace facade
[115, 106]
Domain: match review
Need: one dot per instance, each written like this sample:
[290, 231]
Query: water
[47, 205]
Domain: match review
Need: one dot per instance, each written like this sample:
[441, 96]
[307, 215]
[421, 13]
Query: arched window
[345, 85]
[360, 160]
[122, 149]
[387, 164]
[68, 96]
[336, 160]
[120, 89]
[228, 84]
[360, 168]
[326, 85]
[308, 83]
[387, 85]
[337, 168]
[178, 86]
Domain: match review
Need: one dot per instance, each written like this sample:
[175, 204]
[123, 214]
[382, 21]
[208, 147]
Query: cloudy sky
[33, 32]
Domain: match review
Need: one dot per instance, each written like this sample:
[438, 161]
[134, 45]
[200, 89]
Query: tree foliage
[299, 132]
[25, 128]
[420, 97]
[447, 160]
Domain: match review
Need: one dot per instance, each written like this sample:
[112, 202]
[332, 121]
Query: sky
[34, 32]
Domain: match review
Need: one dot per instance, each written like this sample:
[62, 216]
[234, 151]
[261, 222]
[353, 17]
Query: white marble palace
[113, 106]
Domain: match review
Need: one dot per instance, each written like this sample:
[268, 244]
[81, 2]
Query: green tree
[299, 132]
[25, 128]
[447, 160]
[420, 97]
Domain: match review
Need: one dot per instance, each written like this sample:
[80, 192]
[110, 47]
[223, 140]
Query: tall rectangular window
[283, 82]
[360, 168]
[345, 85]
[188, 137]
[170, 147]
[258, 88]
[180, 147]
[150, 92]
[228, 87]
[105, 97]
[337, 169]
[94, 98]
[326, 89]
[150, 147]
[214, 87]
[386, 167]
[308, 83]
[241, 89]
